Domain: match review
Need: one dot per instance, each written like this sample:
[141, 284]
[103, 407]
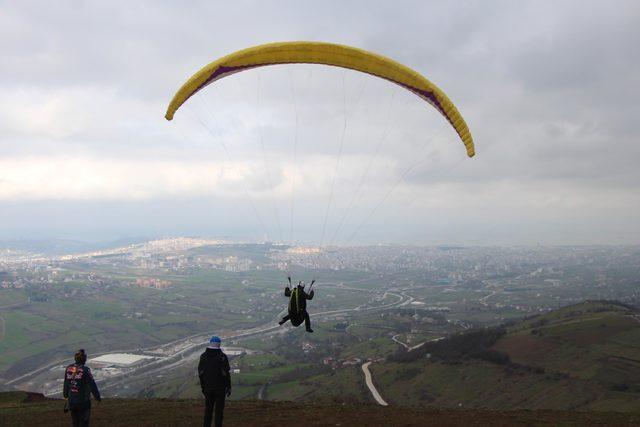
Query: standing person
[215, 381]
[298, 305]
[78, 388]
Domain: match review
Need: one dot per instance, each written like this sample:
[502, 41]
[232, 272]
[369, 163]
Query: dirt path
[262, 391]
[372, 388]
[410, 348]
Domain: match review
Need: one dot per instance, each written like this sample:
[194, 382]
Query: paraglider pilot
[298, 305]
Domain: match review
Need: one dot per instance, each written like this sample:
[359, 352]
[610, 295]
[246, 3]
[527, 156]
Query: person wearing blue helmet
[215, 381]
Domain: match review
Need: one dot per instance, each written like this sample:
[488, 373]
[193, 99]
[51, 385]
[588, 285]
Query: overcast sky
[550, 91]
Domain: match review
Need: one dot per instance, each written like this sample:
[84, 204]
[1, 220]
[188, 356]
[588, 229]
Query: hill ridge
[186, 412]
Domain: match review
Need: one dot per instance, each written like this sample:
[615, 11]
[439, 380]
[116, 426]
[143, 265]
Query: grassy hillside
[18, 409]
[592, 341]
[586, 356]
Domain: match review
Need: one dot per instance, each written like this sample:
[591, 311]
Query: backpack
[294, 302]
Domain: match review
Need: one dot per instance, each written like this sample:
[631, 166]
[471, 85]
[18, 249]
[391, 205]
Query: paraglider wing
[327, 54]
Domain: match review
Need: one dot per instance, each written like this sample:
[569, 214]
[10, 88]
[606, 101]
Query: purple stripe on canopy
[224, 71]
[219, 73]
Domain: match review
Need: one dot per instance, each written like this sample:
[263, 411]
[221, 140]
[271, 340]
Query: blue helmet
[215, 338]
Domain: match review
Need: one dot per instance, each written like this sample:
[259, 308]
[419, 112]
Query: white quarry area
[150, 247]
[304, 250]
[233, 351]
[119, 359]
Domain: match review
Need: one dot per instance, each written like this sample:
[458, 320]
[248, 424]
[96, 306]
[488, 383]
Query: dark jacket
[298, 299]
[79, 385]
[213, 370]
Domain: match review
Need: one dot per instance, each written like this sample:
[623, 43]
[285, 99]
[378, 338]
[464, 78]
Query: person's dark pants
[285, 318]
[213, 399]
[307, 321]
[296, 321]
[81, 416]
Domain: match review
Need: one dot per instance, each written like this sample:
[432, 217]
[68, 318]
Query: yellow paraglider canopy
[327, 54]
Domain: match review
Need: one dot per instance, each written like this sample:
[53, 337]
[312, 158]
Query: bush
[494, 356]
[407, 374]
[619, 387]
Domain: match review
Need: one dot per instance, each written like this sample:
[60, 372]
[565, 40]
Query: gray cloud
[549, 91]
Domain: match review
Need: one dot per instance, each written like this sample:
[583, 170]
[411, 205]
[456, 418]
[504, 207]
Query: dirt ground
[161, 412]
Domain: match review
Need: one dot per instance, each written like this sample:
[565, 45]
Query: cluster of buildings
[152, 282]
[338, 363]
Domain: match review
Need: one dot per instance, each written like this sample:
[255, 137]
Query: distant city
[507, 268]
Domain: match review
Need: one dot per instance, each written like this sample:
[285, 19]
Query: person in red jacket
[78, 387]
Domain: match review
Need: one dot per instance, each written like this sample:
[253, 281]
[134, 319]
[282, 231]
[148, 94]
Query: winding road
[372, 388]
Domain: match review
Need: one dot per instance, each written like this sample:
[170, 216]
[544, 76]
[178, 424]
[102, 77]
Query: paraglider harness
[295, 310]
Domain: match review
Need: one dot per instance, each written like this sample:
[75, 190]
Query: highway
[197, 343]
[189, 347]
